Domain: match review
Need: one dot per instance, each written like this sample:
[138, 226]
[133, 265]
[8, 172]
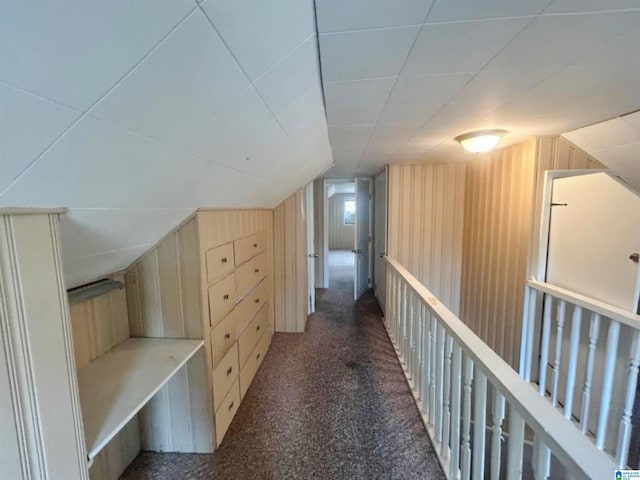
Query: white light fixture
[481, 140]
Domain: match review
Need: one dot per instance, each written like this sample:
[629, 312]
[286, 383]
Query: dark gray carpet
[331, 403]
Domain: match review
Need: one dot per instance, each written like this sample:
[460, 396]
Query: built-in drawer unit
[223, 337]
[226, 412]
[221, 299]
[250, 246]
[219, 262]
[251, 335]
[250, 304]
[224, 375]
[249, 274]
[253, 363]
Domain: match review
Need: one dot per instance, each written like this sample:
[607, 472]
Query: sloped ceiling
[135, 113]
[402, 78]
[616, 143]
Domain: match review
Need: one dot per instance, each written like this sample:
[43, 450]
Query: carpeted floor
[331, 403]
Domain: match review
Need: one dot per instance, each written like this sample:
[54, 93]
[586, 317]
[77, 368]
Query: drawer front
[250, 246]
[226, 412]
[221, 299]
[253, 363]
[219, 262]
[249, 274]
[223, 337]
[224, 375]
[252, 333]
[250, 304]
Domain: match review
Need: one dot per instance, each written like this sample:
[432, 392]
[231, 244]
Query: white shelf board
[116, 386]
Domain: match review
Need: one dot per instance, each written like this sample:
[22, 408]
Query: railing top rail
[605, 309]
[567, 443]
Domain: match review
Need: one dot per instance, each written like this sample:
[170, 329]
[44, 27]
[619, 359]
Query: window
[349, 212]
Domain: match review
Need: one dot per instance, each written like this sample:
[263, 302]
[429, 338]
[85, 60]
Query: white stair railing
[583, 355]
[470, 399]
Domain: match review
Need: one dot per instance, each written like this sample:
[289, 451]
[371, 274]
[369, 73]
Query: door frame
[370, 180]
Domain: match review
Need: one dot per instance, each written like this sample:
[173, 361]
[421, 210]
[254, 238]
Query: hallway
[331, 403]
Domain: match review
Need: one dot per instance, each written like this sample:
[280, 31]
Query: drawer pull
[226, 296]
[224, 259]
[258, 328]
[229, 370]
[255, 245]
[257, 356]
[257, 300]
[257, 270]
[227, 335]
[230, 406]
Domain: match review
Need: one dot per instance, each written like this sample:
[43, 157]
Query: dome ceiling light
[480, 141]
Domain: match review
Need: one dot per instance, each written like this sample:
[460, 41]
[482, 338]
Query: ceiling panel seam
[31, 164]
[318, 58]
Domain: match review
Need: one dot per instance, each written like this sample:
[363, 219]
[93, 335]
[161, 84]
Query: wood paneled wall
[99, 324]
[341, 236]
[497, 230]
[426, 205]
[290, 254]
[318, 231]
[164, 301]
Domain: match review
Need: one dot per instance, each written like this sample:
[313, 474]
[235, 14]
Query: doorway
[341, 231]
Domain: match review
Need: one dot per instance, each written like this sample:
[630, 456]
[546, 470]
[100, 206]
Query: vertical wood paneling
[425, 225]
[318, 230]
[164, 300]
[341, 236]
[497, 229]
[290, 285]
[98, 325]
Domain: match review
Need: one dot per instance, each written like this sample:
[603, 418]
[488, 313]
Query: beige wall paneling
[40, 416]
[98, 325]
[341, 236]
[318, 234]
[498, 210]
[290, 275]
[425, 225]
[163, 290]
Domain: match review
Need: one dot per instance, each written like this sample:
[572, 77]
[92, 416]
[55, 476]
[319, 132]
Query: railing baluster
[434, 371]
[496, 435]
[426, 359]
[456, 379]
[409, 347]
[544, 348]
[524, 340]
[479, 424]
[594, 329]
[396, 326]
[439, 383]
[624, 429]
[531, 324]
[446, 422]
[576, 320]
[557, 361]
[403, 325]
[465, 461]
[415, 345]
[607, 382]
[542, 460]
[516, 445]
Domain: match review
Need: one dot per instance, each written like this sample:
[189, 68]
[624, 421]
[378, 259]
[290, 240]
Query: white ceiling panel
[460, 47]
[351, 135]
[354, 94]
[306, 111]
[365, 54]
[166, 99]
[427, 89]
[261, 33]
[99, 165]
[338, 15]
[290, 77]
[560, 34]
[394, 134]
[28, 125]
[80, 270]
[74, 52]
[354, 116]
[90, 231]
[457, 10]
[575, 6]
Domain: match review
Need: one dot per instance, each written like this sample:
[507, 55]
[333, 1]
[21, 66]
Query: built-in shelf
[115, 387]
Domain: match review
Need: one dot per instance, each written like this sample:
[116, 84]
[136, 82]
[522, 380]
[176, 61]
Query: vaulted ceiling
[135, 113]
[402, 78]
